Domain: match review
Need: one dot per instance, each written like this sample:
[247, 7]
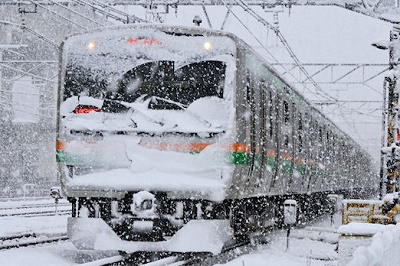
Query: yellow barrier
[364, 211]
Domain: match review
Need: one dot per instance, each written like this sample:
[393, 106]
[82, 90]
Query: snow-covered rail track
[150, 259]
[35, 205]
[177, 259]
[37, 213]
[25, 240]
[42, 209]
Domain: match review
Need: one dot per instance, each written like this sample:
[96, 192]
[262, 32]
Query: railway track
[38, 213]
[31, 239]
[238, 248]
[36, 209]
[229, 252]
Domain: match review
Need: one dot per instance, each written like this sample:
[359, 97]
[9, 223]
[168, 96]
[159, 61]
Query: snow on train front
[145, 123]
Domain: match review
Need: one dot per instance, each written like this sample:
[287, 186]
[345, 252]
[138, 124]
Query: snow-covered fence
[383, 250]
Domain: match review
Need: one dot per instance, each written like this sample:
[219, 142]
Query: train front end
[145, 126]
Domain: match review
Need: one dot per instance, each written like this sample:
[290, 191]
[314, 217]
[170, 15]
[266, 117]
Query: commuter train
[160, 125]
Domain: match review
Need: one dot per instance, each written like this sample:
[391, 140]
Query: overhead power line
[282, 39]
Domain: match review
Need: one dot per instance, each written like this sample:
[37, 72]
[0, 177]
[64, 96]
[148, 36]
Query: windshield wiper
[184, 107]
[128, 105]
[135, 109]
[180, 105]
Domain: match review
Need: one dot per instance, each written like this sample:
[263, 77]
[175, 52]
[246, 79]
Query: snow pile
[362, 229]
[385, 244]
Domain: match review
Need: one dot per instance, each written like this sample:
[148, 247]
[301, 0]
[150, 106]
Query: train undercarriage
[146, 217]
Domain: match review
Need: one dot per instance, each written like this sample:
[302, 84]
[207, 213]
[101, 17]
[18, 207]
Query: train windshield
[169, 87]
[180, 83]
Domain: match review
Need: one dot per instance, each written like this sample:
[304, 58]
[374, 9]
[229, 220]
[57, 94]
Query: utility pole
[392, 149]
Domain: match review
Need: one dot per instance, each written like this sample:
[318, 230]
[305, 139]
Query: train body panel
[198, 120]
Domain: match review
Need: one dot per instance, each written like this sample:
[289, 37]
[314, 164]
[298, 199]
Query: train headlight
[207, 45]
[91, 46]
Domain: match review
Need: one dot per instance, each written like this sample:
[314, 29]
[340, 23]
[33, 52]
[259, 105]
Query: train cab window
[162, 79]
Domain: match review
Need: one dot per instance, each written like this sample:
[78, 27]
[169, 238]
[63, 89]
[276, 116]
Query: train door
[306, 151]
[313, 155]
[328, 154]
[316, 177]
[283, 157]
[272, 139]
[326, 136]
[287, 151]
[333, 158]
[318, 158]
[299, 169]
[253, 128]
[275, 120]
[264, 174]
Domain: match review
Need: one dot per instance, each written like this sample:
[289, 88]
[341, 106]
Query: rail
[26, 240]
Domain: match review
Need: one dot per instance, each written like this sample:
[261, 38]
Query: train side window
[314, 140]
[263, 95]
[334, 147]
[329, 144]
[271, 115]
[320, 135]
[248, 88]
[300, 133]
[300, 145]
[286, 113]
[286, 141]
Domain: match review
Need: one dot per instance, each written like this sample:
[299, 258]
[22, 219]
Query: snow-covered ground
[318, 244]
[301, 250]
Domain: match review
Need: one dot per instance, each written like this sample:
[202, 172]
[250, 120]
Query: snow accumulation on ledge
[385, 243]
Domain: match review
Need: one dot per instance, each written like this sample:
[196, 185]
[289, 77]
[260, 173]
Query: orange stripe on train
[198, 147]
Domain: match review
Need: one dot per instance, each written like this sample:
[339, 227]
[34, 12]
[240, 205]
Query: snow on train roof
[128, 40]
